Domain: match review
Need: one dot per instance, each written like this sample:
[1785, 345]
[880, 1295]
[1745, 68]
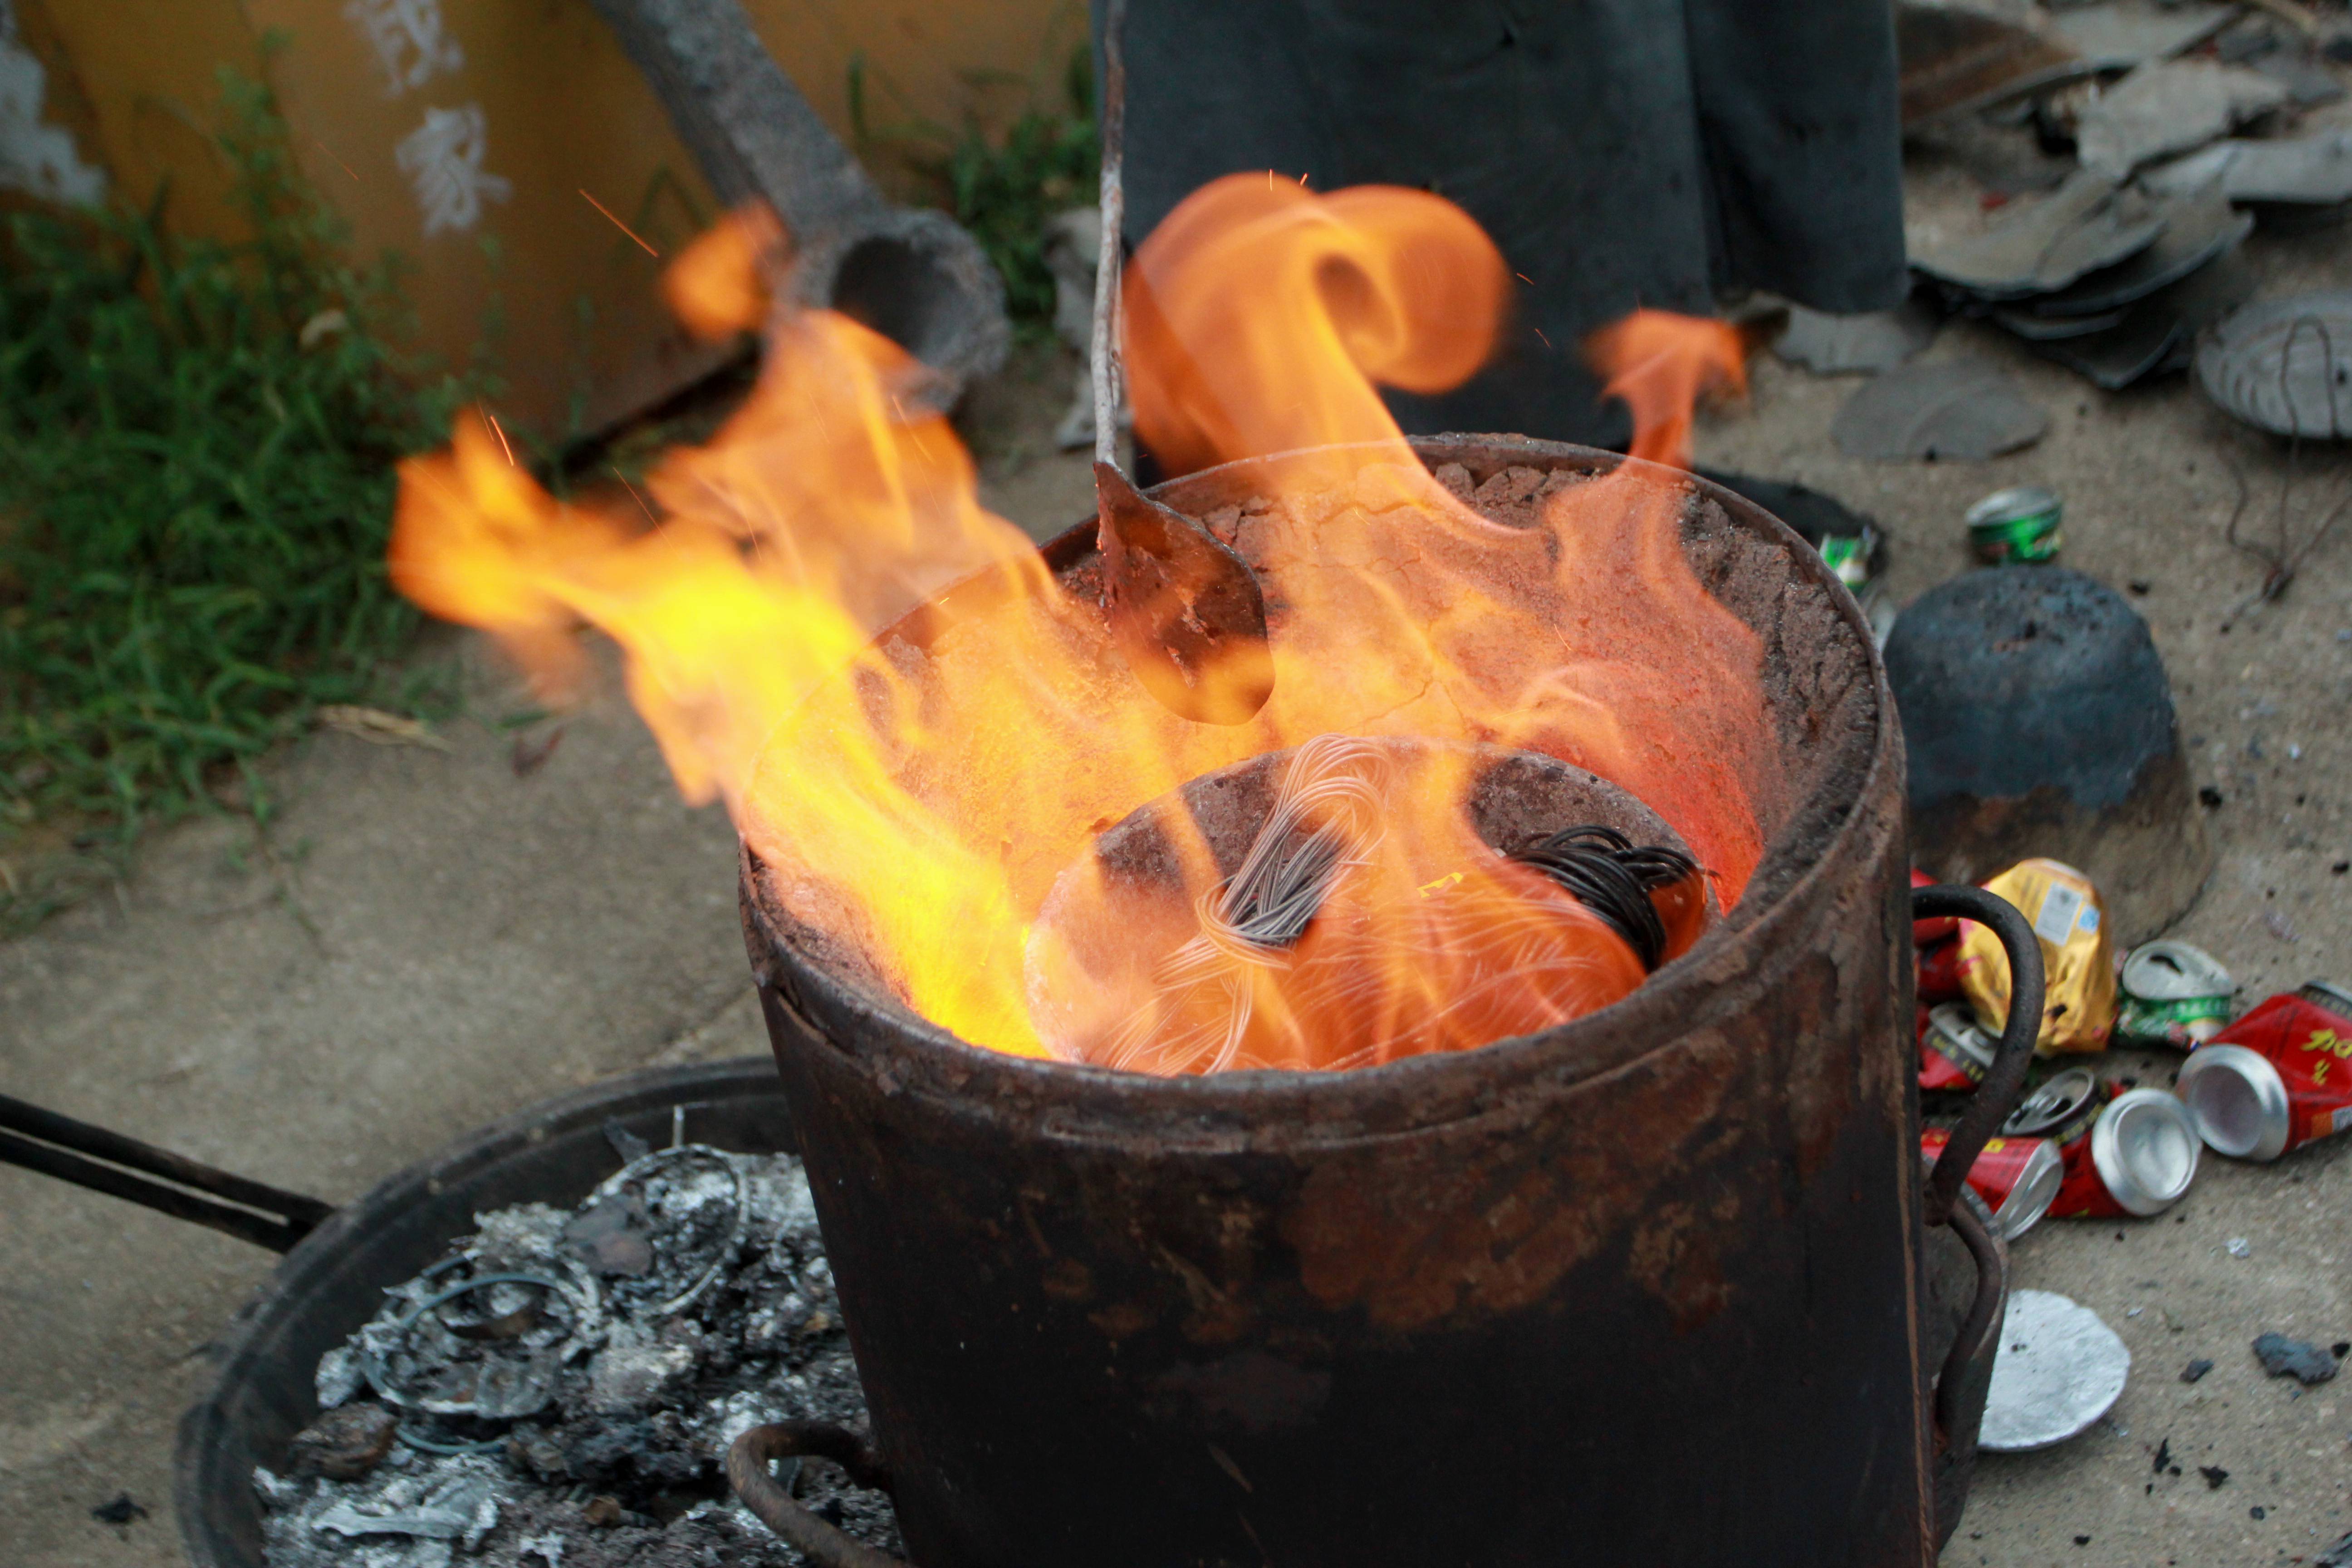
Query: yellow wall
[559, 111]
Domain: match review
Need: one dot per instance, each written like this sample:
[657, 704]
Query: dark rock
[121, 1511]
[2214, 1475]
[344, 1444]
[2163, 1455]
[2304, 1362]
[2039, 722]
[2195, 1370]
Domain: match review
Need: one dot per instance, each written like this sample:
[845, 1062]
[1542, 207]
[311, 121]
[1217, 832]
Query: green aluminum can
[2018, 524]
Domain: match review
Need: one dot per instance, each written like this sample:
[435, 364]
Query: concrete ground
[430, 940]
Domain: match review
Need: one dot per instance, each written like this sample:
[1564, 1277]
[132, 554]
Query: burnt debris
[559, 1392]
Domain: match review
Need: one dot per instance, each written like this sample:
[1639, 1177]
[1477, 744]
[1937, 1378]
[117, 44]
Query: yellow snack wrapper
[2078, 1010]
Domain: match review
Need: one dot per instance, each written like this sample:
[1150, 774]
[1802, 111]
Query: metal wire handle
[747, 1471]
[1996, 1097]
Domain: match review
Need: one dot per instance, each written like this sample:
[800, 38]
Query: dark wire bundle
[1611, 876]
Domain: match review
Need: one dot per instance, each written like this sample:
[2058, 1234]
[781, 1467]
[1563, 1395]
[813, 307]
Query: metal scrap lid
[2061, 1109]
[2176, 972]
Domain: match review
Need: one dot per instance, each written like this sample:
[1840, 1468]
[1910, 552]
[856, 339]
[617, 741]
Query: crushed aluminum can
[2172, 994]
[2062, 1110]
[1939, 974]
[2277, 1079]
[2017, 1177]
[1935, 928]
[1847, 556]
[2138, 1159]
[2078, 1008]
[1953, 1052]
[2019, 524]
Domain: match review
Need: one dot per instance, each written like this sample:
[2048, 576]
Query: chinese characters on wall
[445, 157]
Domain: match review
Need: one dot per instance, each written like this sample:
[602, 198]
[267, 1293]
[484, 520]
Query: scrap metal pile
[2183, 123]
[562, 1389]
[2122, 152]
[2103, 1145]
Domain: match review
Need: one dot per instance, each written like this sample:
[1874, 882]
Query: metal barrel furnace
[1648, 1288]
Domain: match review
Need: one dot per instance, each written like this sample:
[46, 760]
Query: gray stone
[2299, 1359]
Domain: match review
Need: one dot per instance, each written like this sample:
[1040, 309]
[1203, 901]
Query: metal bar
[278, 1235]
[17, 1115]
[821, 1543]
[1107, 364]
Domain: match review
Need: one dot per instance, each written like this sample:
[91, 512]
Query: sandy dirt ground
[431, 940]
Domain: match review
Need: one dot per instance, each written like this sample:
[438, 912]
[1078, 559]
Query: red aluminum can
[1953, 1052]
[2017, 1177]
[2277, 1079]
[1935, 927]
[1939, 972]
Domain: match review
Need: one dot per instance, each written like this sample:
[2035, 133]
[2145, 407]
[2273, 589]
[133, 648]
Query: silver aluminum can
[2328, 994]
[2173, 992]
[2060, 1110]
[2237, 1102]
[2145, 1148]
[2036, 1190]
[1954, 1034]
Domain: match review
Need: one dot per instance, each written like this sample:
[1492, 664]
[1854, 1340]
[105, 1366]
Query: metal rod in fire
[1108, 373]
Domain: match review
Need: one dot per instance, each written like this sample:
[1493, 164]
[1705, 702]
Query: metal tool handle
[123, 1167]
[1996, 1097]
[748, 1458]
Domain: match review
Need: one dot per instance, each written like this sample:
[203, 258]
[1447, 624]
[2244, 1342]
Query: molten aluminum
[921, 815]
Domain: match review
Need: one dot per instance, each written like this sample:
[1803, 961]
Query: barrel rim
[906, 1053]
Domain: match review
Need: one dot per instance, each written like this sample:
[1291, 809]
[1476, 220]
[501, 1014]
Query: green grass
[196, 450]
[1002, 189]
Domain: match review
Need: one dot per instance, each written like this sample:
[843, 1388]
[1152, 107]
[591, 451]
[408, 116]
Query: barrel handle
[1996, 1097]
[748, 1458]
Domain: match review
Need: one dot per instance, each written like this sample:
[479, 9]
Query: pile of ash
[559, 1392]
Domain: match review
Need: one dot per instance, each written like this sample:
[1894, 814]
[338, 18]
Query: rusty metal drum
[1646, 1288]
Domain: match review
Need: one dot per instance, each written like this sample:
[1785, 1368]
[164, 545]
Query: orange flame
[919, 806]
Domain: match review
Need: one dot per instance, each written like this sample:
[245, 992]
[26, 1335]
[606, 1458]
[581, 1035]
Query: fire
[920, 806]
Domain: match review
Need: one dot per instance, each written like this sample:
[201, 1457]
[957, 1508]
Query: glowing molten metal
[919, 806]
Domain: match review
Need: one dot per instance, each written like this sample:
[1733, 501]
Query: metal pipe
[107, 1162]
